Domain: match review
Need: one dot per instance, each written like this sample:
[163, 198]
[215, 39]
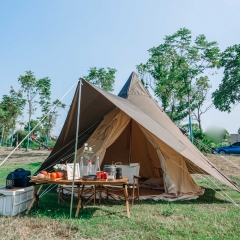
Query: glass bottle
[81, 167]
[89, 167]
[97, 165]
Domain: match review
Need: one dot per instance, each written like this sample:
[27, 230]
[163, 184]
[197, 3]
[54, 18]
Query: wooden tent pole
[76, 142]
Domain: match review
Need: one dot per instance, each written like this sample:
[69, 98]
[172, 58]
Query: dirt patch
[33, 228]
[23, 156]
[224, 165]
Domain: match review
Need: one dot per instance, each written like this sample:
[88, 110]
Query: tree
[228, 93]
[50, 120]
[161, 74]
[12, 106]
[3, 117]
[102, 78]
[176, 64]
[34, 88]
[19, 136]
[200, 91]
[33, 124]
[239, 131]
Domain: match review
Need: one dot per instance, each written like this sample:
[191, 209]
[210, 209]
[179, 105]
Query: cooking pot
[109, 169]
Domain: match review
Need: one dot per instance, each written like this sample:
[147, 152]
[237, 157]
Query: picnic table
[80, 189]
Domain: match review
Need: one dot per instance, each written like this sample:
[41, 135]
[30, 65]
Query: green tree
[161, 74]
[102, 78]
[200, 91]
[49, 121]
[201, 141]
[12, 106]
[239, 131]
[3, 120]
[19, 136]
[34, 88]
[228, 93]
[33, 124]
[176, 64]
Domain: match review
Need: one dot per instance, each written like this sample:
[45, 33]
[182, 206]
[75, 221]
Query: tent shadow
[88, 212]
[62, 210]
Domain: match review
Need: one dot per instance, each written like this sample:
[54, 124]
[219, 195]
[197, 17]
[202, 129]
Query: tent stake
[76, 143]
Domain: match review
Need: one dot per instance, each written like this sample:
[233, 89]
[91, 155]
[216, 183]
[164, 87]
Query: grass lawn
[208, 217]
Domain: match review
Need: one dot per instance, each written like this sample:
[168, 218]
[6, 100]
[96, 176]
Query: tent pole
[76, 143]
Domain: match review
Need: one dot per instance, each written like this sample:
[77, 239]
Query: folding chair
[132, 172]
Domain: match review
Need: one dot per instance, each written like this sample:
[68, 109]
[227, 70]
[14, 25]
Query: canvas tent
[131, 127]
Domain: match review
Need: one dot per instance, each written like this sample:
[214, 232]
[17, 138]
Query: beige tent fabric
[119, 150]
[125, 116]
[117, 132]
[132, 146]
[107, 132]
[177, 180]
[165, 130]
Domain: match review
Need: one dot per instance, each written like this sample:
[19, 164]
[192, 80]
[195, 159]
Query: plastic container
[16, 200]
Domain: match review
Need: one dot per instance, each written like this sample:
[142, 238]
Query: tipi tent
[131, 127]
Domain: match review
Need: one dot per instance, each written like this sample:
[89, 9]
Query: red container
[99, 174]
[104, 176]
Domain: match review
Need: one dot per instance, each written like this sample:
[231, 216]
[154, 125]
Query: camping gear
[110, 176]
[104, 176]
[16, 200]
[118, 172]
[21, 177]
[10, 181]
[131, 127]
[92, 177]
[109, 169]
[84, 188]
[99, 174]
[131, 171]
[89, 177]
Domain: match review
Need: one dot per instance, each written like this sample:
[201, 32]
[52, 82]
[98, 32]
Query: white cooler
[16, 200]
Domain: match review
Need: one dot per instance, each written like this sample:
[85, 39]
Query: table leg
[100, 195]
[94, 194]
[36, 197]
[125, 190]
[79, 199]
[133, 194]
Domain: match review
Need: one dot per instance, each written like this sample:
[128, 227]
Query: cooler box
[16, 200]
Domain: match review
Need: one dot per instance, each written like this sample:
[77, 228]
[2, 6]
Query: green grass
[208, 217]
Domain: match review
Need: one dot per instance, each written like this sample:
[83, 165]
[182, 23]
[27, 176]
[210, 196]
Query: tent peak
[133, 86]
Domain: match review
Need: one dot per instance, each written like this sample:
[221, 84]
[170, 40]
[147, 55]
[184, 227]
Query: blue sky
[63, 39]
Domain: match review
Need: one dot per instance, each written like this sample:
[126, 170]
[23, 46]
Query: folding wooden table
[80, 185]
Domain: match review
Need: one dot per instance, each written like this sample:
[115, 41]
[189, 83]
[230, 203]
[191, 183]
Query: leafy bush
[210, 140]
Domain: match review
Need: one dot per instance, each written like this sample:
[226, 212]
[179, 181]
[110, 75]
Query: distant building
[235, 138]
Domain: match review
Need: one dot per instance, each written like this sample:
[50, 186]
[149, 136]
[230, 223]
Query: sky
[63, 39]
